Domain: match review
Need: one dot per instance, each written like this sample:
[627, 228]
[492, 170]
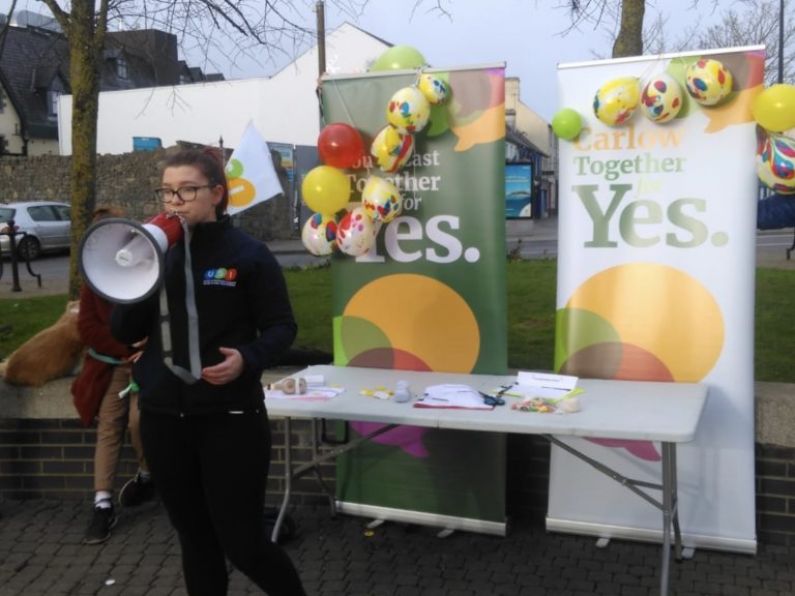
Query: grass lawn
[531, 316]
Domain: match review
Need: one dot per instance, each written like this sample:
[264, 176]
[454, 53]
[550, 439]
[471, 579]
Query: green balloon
[566, 124]
[439, 120]
[399, 58]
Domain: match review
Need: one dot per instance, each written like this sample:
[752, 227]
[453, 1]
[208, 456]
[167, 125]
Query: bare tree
[6, 24]
[622, 18]
[746, 22]
[225, 28]
[757, 22]
[629, 41]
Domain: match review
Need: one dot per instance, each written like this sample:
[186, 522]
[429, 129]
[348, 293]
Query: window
[64, 213]
[52, 102]
[6, 214]
[42, 213]
[121, 67]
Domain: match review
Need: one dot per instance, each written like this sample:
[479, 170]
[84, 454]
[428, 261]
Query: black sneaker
[136, 491]
[102, 521]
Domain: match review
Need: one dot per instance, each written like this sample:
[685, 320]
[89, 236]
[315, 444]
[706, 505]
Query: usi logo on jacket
[220, 277]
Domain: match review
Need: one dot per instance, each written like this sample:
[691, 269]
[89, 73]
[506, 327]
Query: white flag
[250, 172]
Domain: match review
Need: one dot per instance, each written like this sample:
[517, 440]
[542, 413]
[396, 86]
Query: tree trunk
[84, 55]
[630, 36]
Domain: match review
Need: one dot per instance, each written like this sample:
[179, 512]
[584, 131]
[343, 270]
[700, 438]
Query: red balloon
[340, 146]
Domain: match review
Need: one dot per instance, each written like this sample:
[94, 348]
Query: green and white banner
[430, 295]
[656, 282]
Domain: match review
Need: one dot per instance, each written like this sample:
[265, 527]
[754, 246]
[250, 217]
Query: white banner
[250, 172]
[656, 282]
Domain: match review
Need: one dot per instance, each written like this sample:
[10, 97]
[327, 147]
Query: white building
[283, 107]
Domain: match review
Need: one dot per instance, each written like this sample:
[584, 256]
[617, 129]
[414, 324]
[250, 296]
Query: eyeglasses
[185, 193]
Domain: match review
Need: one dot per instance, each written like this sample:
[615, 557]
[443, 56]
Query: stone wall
[126, 180]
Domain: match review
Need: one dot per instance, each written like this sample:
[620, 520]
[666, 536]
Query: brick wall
[125, 180]
[54, 458]
[775, 494]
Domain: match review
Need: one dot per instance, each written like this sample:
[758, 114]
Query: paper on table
[452, 396]
[545, 385]
[312, 393]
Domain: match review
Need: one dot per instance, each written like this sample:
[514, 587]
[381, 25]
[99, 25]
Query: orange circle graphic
[419, 316]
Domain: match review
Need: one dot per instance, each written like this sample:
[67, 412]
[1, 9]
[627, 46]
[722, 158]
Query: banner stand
[656, 277]
[430, 295]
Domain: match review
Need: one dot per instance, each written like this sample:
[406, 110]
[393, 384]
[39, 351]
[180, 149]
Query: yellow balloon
[774, 108]
[326, 189]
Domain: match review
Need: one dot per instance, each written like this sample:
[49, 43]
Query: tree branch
[6, 25]
[101, 27]
[63, 18]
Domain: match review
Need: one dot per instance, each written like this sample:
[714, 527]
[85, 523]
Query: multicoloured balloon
[326, 189]
[319, 234]
[408, 110]
[775, 161]
[381, 199]
[434, 89]
[356, 232]
[661, 99]
[392, 149]
[708, 81]
[616, 101]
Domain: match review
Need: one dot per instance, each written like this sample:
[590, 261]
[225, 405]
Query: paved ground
[41, 554]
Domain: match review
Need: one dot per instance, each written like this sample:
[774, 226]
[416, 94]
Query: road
[779, 240]
[771, 252]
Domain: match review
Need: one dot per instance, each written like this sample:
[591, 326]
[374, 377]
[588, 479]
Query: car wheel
[29, 248]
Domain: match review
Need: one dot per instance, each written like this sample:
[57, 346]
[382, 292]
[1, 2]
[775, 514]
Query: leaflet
[311, 394]
[452, 396]
[543, 385]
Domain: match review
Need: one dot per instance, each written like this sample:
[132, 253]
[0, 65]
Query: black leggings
[211, 472]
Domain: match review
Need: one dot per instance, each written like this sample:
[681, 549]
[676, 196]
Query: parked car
[47, 226]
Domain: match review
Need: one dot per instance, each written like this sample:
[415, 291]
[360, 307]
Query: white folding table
[634, 410]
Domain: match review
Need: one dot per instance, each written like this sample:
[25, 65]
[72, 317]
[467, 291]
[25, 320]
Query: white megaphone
[122, 260]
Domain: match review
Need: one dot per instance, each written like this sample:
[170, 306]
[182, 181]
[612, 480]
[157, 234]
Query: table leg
[668, 498]
[318, 473]
[288, 478]
[675, 497]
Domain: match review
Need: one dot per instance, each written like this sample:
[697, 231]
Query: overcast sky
[526, 34]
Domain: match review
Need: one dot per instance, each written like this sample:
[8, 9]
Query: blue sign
[518, 190]
[146, 143]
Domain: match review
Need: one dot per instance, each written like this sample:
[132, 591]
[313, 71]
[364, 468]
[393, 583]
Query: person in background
[103, 392]
[222, 317]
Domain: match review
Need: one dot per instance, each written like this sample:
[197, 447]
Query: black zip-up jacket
[242, 303]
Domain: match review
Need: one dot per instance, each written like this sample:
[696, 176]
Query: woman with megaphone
[220, 318]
